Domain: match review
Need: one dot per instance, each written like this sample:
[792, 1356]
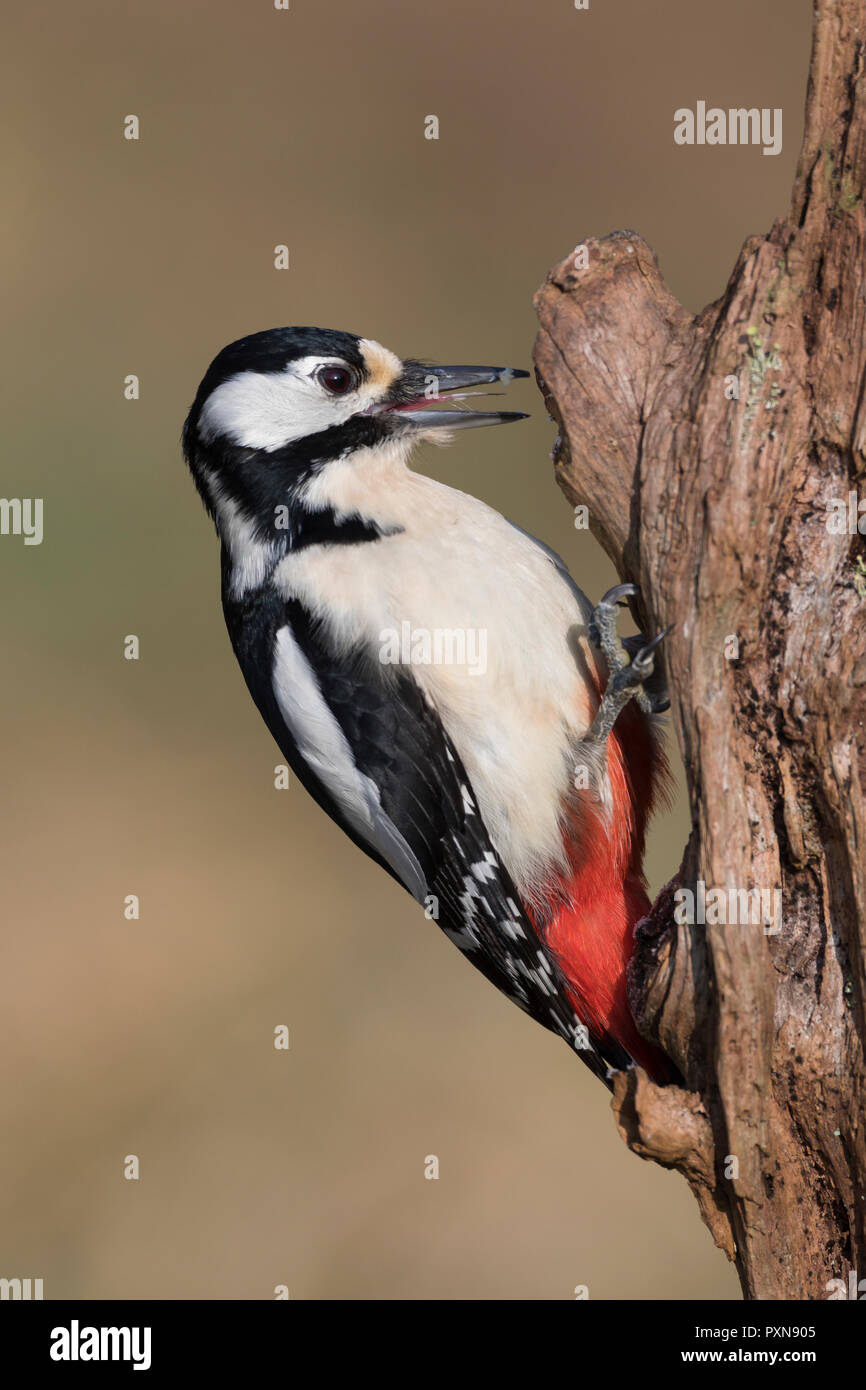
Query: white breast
[459, 565]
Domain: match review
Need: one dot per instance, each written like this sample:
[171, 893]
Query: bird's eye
[337, 380]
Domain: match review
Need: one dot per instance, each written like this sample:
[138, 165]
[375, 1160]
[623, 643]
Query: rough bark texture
[718, 509]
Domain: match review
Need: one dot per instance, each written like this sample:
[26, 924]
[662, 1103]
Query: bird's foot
[627, 679]
[602, 627]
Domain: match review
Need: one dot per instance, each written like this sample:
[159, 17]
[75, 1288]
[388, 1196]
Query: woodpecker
[508, 795]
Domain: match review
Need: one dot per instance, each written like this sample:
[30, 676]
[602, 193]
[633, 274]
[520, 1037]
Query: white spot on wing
[486, 869]
[512, 929]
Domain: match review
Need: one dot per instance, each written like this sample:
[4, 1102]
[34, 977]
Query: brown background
[155, 777]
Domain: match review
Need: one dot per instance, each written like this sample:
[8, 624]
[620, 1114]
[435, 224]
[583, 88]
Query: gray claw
[642, 661]
[602, 627]
[619, 591]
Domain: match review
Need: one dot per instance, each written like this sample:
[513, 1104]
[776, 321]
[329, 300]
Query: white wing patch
[325, 749]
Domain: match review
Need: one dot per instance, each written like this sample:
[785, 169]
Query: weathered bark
[718, 509]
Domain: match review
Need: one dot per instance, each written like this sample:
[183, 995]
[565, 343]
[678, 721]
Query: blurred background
[156, 777]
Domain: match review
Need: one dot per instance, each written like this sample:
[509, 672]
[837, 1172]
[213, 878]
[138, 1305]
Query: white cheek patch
[267, 410]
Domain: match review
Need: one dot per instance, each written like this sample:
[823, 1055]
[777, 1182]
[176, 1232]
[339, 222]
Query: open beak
[423, 388]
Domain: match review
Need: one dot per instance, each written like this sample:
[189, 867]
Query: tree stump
[720, 458]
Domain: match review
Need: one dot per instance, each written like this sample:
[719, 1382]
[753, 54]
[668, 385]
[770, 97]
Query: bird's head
[275, 409]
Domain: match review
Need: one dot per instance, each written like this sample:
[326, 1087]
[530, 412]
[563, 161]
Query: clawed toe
[643, 660]
[618, 592]
[633, 677]
[627, 679]
[602, 626]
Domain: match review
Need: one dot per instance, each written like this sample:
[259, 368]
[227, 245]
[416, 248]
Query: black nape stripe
[323, 528]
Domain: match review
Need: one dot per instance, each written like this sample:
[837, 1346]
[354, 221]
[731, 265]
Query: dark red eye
[337, 380]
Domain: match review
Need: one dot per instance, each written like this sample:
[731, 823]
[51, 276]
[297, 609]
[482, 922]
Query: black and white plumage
[455, 782]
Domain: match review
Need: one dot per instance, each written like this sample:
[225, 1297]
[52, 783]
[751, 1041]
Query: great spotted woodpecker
[510, 795]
